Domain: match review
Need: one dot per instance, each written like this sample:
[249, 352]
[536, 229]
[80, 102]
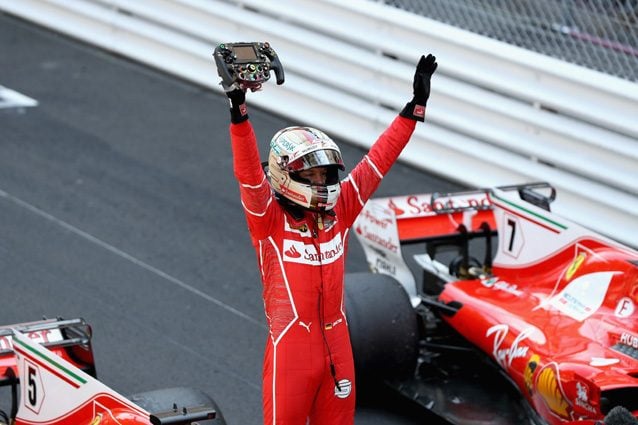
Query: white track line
[12, 99]
[128, 257]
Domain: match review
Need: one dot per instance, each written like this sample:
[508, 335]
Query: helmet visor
[319, 158]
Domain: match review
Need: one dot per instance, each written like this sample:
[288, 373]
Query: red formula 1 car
[48, 367]
[485, 307]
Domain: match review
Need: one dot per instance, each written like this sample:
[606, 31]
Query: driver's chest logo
[300, 252]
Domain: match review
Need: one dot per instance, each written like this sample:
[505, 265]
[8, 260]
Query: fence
[498, 114]
[599, 34]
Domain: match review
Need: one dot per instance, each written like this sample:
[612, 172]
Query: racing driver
[299, 214]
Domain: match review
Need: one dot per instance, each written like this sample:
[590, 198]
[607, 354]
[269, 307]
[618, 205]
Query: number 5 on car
[55, 392]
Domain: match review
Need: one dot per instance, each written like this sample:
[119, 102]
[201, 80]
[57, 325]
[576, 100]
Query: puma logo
[307, 326]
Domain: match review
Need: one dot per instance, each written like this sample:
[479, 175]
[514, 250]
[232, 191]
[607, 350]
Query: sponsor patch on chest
[303, 253]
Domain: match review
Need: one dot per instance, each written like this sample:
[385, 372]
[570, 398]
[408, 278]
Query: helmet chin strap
[296, 211]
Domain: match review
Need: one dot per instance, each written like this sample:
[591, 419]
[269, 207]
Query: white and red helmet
[295, 149]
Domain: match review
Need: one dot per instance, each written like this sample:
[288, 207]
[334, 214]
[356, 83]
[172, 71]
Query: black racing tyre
[163, 400]
[383, 327]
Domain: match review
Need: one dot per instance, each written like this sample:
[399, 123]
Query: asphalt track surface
[118, 205]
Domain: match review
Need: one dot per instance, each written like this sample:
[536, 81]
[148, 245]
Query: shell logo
[549, 389]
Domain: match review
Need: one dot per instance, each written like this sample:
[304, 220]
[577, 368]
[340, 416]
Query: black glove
[238, 110]
[415, 109]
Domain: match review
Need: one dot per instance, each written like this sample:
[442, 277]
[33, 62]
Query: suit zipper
[322, 325]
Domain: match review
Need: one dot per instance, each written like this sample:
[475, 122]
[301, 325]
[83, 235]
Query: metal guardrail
[498, 114]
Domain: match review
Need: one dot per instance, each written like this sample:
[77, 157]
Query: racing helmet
[294, 149]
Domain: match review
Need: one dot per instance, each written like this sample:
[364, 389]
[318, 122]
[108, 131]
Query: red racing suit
[308, 371]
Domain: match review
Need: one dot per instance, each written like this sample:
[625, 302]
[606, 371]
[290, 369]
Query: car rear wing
[68, 338]
[438, 220]
[432, 216]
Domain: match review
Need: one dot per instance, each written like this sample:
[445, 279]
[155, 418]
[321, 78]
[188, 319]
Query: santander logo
[292, 252]
[395, 208]
[298, 252]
